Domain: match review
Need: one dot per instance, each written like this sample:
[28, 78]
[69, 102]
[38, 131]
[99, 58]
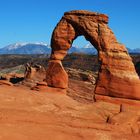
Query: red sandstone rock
[27, 114]
[81, 75]
[39, 86]
[35, 73]
[5, 82]
[117, 75]
[56, 75]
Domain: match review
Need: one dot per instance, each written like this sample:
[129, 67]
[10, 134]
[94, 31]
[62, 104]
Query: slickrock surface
[51, 114]
[117, 75]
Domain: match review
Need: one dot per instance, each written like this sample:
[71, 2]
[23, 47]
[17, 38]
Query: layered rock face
[117, 75]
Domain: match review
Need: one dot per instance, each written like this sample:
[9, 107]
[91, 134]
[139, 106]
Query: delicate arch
[117, 75]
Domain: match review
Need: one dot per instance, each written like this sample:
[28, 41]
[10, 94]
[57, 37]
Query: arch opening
[81, 65]
[81, 45]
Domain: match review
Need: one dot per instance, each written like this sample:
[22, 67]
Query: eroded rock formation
[56, 75]
[34, 74]
[117, 75]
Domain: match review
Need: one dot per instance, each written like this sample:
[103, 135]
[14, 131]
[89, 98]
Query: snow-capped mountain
[42, 48]
[87, 49]
[26, 48]
[90, 49]
[134, 51]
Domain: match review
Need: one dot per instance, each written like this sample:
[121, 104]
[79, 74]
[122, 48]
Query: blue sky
[34, 20]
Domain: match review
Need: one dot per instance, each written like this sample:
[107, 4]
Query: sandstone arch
[117, 75]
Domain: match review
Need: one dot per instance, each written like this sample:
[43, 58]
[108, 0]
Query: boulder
[56, 75]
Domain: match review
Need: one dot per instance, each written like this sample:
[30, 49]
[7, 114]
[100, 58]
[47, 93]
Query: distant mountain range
[42, 48]
[26, 48]
[134, 51]
[87, 49]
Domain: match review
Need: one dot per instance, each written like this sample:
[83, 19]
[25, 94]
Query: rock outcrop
[81, 75]
[56, 75]
[11, 79]
[117, 75]
[5, 82]
[34, 74]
